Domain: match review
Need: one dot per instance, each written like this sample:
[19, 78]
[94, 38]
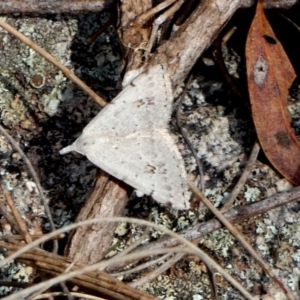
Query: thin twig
[104, 27]
[243, 241]
[36, 180]
[52, 60]
[15, 237]
[22, 285]
[220, 43]
[146, 16]
[78, 295]
[136, 243]
[202, 184]
[237, 214]
[157, 271]
[141, 267]
[248, 169]
[9, 218]
[160, 20]
[187, 140]
[20, 223]
[95, 281]
[48, 7]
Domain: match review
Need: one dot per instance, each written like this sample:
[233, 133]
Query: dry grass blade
[142, 266]
[52, 60]
[190, 248]
[242, 240]
[158, 270]
[74, 294]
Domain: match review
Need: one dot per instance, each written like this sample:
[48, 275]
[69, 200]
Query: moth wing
[142, 105]
[150, 163]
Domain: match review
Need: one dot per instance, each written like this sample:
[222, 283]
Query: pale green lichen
[220, 241]
[251, 194]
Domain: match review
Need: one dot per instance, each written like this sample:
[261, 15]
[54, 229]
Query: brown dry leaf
[270, 75]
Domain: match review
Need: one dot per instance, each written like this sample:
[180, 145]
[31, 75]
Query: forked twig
[160, 20]
[52, 60]
[145, 17]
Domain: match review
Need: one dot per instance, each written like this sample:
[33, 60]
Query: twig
[15, 284]
[78, 295]
[36, 180]
[145, 17]
[15, 212]
[20, 223]
[15, 237]
[104, 27]
[182, 50]
[243, 241]
[9, 218]
[220, 43]
[237, 214]
[97, 281]
[190, 248]
[238, 187]
[141, 267]
[184, 135]
[50, 6]
[52, 60]
[202, 184]
[160, 20]
[107, 198]
[84, 6]
[157, 271]
[138, 242]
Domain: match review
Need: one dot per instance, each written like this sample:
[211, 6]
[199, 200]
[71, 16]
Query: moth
[130, 140]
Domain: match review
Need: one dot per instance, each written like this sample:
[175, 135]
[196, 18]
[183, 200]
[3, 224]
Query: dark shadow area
[97, 65]
[68, 179]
